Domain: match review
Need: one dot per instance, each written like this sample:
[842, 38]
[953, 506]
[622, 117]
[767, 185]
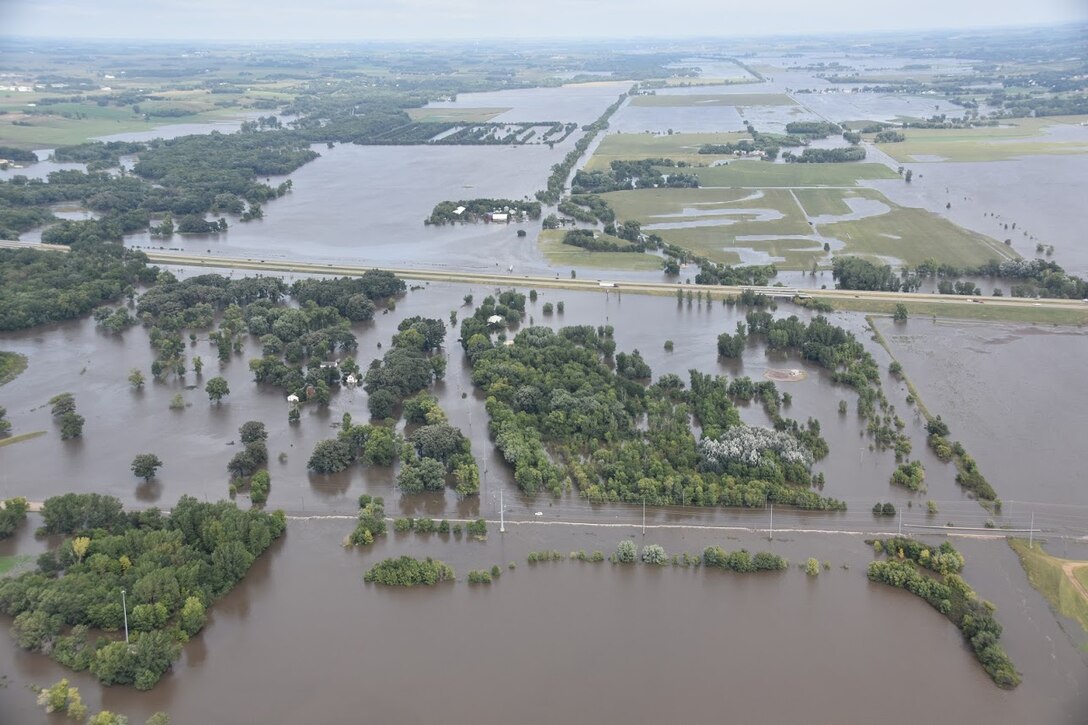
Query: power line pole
[900, 519]
[1031, 531]
[770, 533]
[643, 515]
[124, 607]
[502, 518]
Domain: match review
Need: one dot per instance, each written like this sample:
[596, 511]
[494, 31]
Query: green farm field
[551, 245]
[677, 146]
[1016, 137]
[762, 174]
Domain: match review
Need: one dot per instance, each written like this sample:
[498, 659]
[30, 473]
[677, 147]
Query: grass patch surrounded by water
[12, 364]
[15, 562]
[1045, 572]
[1021, 137]
[914, 235]
[20, 438]
[52, 131]
[456, 115]
[721, 99]
[660, 206]
[565, 255]
[678, 147]
[761, 174]
[960, 310]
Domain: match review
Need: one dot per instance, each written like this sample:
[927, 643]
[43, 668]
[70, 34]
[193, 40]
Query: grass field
[645, 204]
[15, 562]
[657, 206]
[1021, 137]
[557, 253]
[1045, 574]
[721, 99]
[678, 147]
[821, 202]
[11, 365]
[983, 312]
[456, 115]
[53, 131]
[914, 235]
[20, 438]
[761, 174]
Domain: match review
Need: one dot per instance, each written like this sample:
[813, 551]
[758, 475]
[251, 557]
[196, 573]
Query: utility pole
[1031, 531]
[124, 607]
[900, 519]
[643, 515]
[770, 533]
[502, 518]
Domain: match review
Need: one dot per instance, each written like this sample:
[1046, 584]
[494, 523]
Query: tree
[654, 554]
[253, 431]
[191, 619]
[198, 364]
[216, 388]
[136, 378]
[812, 566]
[80, 544]
[900, 313]
[425, 474]
[330, 456]
[71, 426]
[144, 465]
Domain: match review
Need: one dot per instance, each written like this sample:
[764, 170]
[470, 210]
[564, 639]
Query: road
[500, 279]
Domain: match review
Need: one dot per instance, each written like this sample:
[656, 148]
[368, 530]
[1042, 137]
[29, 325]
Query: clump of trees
[826, 156]
[910, 475]
[407, 571]
[371, 520]
[969, 476]
[371, 444]
[475, 209]
[741, 561]
[12, 514]
[410, 365]
[63, 408]
[951, 596]
[76, 586]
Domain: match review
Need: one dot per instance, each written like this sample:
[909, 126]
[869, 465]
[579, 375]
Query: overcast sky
[411, 19]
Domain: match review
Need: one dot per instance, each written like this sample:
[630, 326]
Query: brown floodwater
[304, 639]
[1015, 396]
[197, 442]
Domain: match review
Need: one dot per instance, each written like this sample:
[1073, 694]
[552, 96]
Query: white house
[496, 320]
[351, 380]
[292, 398]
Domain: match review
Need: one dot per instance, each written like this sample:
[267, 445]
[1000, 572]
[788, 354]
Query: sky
[264, 20]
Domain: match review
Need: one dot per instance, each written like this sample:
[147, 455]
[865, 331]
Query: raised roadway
[500, 279]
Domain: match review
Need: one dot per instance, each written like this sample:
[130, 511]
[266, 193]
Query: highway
[653, 288]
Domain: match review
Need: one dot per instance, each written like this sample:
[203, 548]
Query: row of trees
[952, 597]
[77, 585]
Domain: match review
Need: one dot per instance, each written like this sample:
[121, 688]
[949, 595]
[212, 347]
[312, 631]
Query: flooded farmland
[303, 638]
[704, 640]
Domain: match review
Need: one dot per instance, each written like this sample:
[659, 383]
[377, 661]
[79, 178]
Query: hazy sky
[396, 19]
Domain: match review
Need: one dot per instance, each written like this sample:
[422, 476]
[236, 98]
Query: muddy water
[194, 443]
[303, 638]
[1036, 193]
[1014, 395]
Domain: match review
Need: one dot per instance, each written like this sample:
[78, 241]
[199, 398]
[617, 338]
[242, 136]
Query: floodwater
[194, 443]
[580, 642]
[1037, 193]
[1014, 395]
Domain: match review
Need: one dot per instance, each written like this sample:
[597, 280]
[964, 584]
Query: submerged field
[724, 99]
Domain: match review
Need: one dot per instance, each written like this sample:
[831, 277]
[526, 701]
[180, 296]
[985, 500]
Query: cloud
[501, 19]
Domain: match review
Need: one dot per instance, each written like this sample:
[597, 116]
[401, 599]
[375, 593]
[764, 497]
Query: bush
[406, 571]
[626, 552]
[812, 566]
[654, 554]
